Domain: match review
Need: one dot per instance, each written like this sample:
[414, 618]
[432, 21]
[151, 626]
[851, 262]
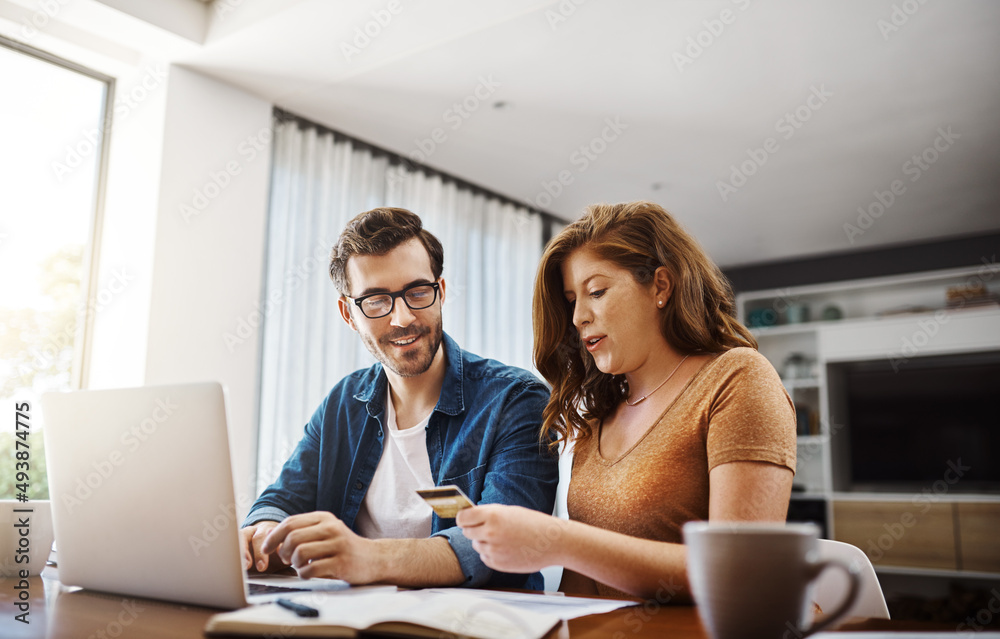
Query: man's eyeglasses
[416, 296]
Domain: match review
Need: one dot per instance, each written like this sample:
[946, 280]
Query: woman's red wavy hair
[699, 316]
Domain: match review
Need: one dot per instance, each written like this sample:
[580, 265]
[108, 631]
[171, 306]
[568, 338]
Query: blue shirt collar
[452, 399]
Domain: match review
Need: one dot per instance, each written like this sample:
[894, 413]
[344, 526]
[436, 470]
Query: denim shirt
[483, 436]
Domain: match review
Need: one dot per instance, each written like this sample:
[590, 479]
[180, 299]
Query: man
[427, 414]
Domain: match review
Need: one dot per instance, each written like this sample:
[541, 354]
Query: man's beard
[411, 363]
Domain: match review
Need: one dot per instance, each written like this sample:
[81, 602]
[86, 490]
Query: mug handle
[853, 574]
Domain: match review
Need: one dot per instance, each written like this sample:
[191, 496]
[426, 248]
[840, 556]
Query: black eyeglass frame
[394, 296]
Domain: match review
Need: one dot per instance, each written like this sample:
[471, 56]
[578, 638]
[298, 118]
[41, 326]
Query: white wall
[117, 354]
[209, 248]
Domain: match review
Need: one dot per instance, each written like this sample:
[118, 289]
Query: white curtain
[319, 182]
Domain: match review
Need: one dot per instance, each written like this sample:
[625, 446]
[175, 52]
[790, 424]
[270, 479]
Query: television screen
[929, 419]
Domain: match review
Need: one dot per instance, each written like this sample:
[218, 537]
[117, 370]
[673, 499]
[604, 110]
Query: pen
[297, 608]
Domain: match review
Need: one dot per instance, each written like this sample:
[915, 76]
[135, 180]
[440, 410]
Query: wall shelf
[792, 384]
[808, 495]
[784, 329]
[933, 572]
[956, 498]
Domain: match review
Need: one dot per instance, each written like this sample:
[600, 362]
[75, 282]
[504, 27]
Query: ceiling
[763, 126]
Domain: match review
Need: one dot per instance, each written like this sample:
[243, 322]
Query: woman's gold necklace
[658, 387]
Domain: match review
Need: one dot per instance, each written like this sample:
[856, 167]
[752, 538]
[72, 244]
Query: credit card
[446, 500]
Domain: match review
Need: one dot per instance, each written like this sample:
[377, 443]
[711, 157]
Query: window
[51, 151]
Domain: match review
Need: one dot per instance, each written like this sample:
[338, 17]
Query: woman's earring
[660, 303]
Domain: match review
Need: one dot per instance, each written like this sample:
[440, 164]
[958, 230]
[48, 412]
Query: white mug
[25, 537]
[752, 580]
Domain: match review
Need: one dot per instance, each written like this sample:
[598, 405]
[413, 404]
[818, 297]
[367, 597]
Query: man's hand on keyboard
[254, 558]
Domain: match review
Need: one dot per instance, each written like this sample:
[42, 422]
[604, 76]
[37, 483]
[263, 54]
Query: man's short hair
[376, 232]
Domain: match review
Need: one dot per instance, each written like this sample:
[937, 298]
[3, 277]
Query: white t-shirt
[392, 508]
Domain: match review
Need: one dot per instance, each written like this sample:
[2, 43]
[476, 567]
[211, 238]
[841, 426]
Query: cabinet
[978, 525]
[811, 334]
[950, 535]
[898, 533]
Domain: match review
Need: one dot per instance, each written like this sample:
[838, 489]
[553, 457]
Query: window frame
[83, 340]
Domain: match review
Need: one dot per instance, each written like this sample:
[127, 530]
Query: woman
[672, 413]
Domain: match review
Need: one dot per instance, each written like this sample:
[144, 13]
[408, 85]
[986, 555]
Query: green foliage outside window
[38, 485]
[37, 351]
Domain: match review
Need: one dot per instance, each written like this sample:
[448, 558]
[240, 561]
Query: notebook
[142, 496]
[417, 613]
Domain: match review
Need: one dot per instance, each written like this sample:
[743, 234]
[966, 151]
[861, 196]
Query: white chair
[832, 584]
[553, 574]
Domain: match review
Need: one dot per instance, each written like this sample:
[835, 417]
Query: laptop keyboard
[262, 589]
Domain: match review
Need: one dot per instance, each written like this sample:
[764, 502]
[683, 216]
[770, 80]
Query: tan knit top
[733, 409]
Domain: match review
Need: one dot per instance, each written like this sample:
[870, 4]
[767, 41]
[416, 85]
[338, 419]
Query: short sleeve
[751, 416]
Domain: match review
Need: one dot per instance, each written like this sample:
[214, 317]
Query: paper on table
[559, 605]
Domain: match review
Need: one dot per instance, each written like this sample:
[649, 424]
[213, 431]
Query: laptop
[141, 487]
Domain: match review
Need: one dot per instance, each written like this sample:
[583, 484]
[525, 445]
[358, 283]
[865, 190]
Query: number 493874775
[22, 449]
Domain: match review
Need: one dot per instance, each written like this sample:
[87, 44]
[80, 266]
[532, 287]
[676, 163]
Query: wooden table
[58, 612]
